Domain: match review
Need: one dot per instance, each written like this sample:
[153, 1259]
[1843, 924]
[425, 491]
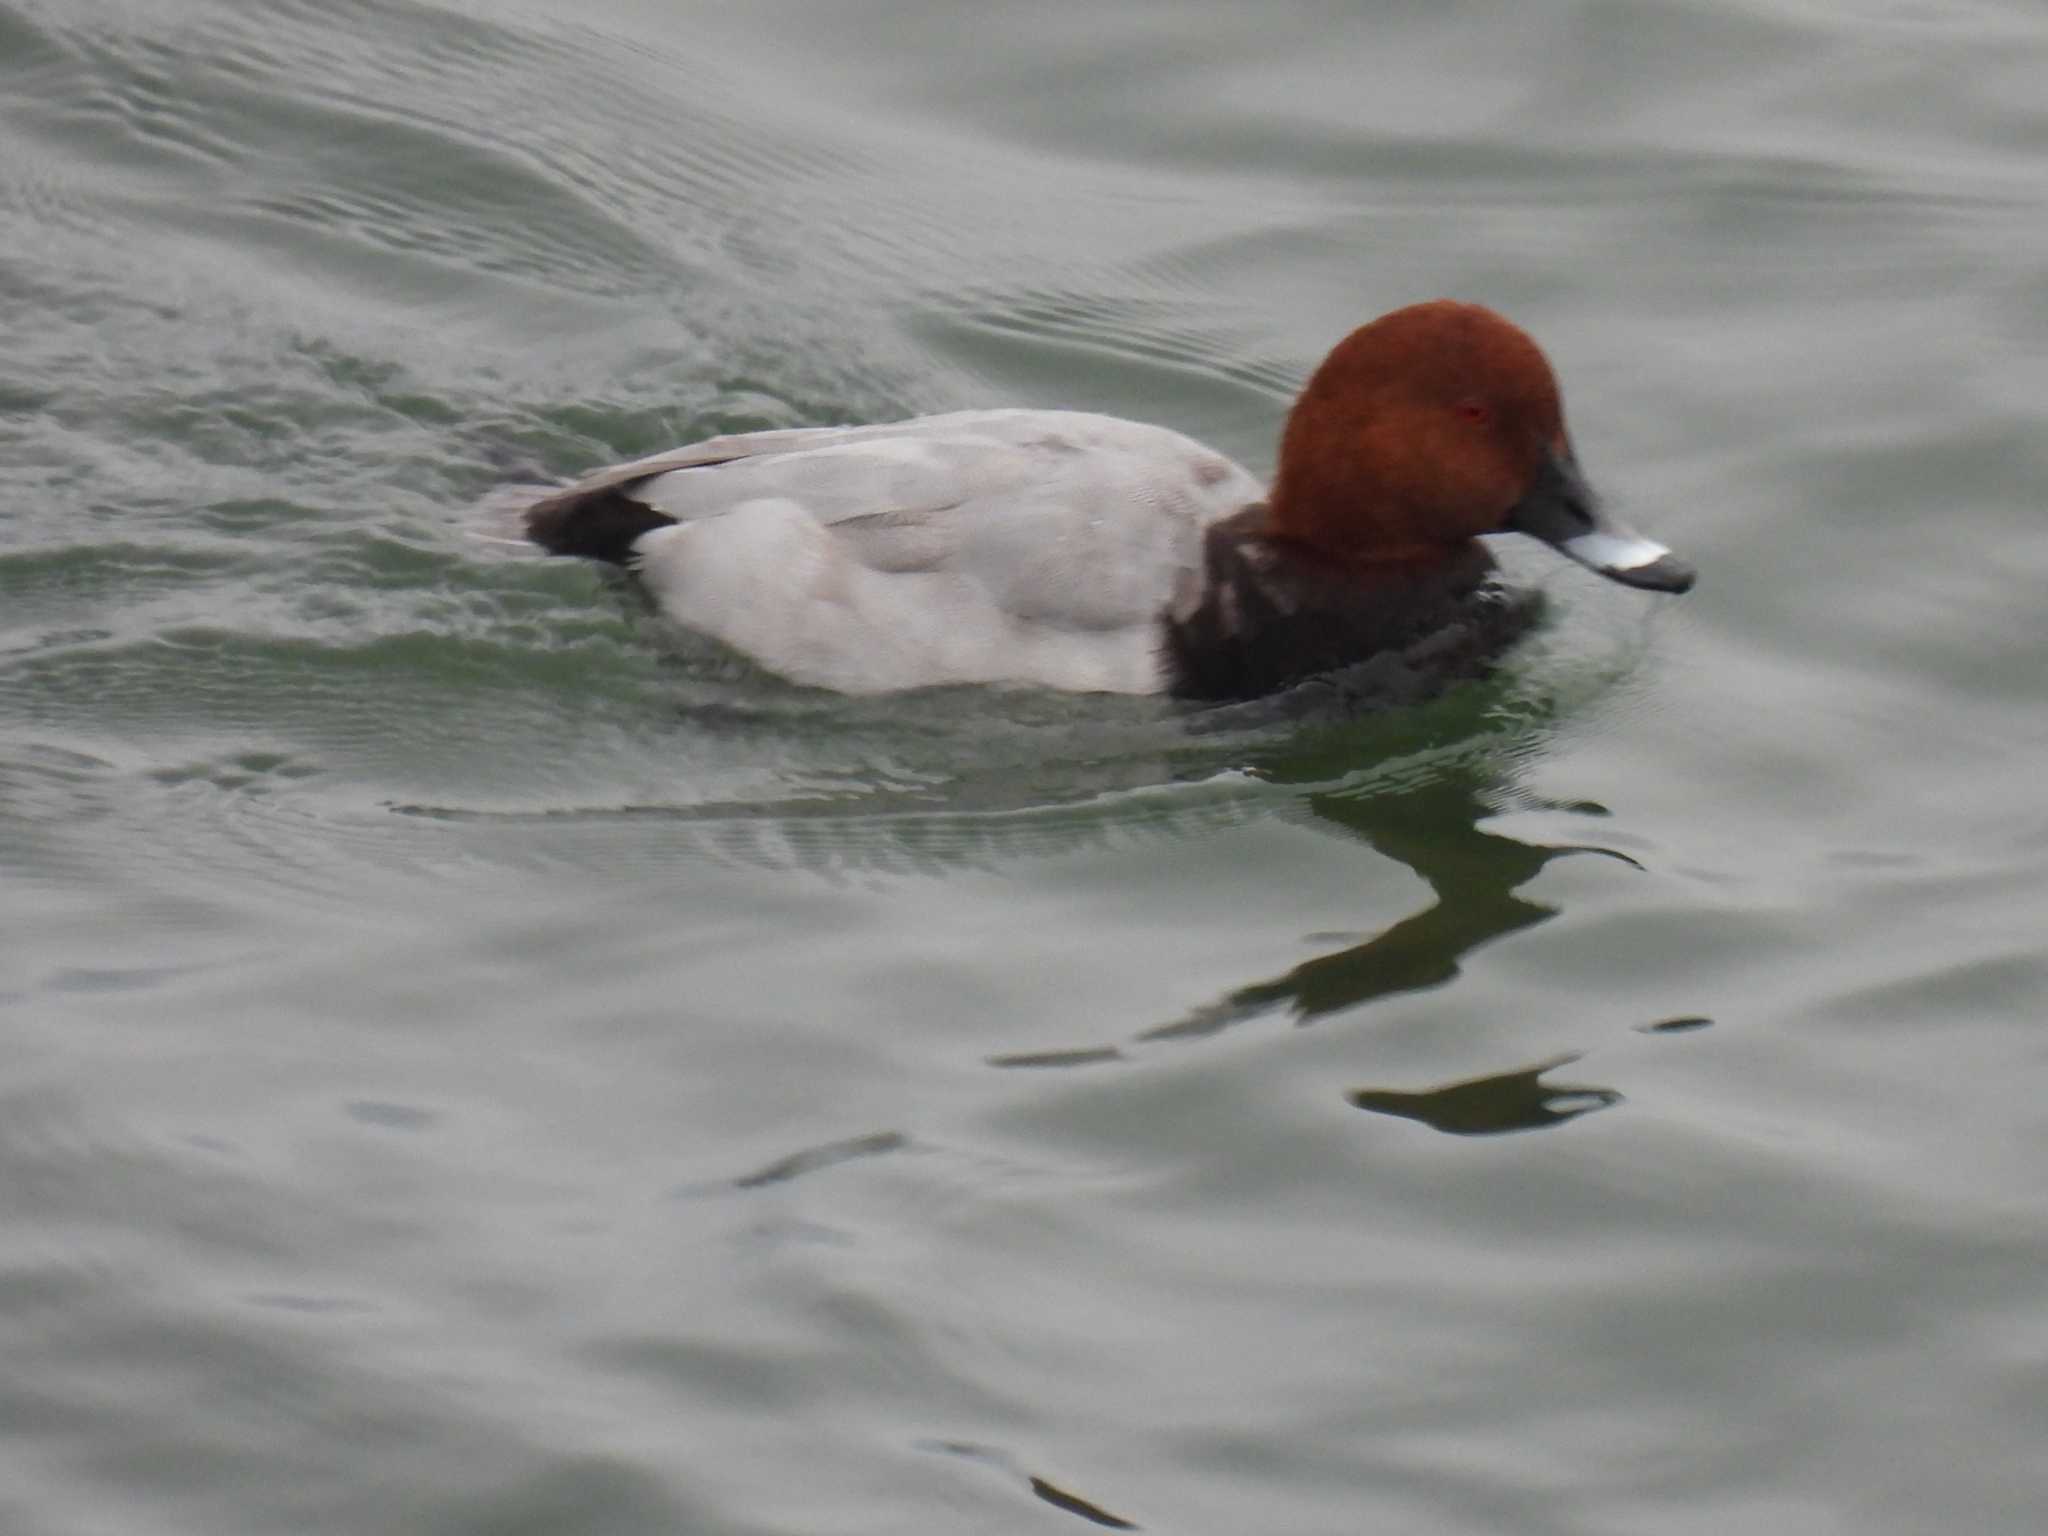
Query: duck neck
[1333, 493]
[1350, 536]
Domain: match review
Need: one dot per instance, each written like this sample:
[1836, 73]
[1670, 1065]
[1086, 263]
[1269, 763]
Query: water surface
[477, 1064]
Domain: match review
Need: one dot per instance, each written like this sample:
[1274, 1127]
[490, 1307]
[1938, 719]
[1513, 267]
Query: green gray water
[472, 1065]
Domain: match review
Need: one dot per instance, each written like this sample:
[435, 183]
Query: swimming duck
[1089, 553]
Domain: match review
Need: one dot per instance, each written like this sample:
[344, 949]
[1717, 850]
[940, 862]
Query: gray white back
[982, 546]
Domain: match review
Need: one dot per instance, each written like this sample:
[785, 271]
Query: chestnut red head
[1435, 424]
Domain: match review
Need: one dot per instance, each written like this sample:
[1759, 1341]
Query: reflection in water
[1426, 806]
[1678, 1026]
[1056, 1496]
[1434, 827]
[1492, 1106]
[811, 1159]
[1073, 1504]
[1086, 1056]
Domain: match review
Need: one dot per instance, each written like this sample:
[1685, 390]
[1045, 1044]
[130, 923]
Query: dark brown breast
[1269, 615]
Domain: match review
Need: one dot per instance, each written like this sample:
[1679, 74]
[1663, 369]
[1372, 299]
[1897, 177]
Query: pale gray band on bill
[1614, 551]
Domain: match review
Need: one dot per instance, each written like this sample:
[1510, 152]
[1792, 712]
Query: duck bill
[1562, 511]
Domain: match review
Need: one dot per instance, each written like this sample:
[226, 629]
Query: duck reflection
[1436, 828]
[1492, 1106]
[1058, 1497]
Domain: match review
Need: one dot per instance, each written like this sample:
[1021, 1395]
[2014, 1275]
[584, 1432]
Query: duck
[1082, 552]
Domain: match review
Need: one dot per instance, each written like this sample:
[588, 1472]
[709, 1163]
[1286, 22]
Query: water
[476, 1065]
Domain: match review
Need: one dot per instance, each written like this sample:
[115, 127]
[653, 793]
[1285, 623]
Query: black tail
[597, 525]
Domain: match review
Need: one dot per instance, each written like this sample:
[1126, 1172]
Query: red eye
[1474, 412]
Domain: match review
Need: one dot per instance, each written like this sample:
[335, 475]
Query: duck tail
[599, 524]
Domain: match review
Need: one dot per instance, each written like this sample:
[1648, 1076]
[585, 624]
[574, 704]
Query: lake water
[473, 1064]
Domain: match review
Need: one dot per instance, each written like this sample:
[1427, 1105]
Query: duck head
[1435, 424]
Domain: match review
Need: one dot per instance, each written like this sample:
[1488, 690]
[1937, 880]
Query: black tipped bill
[1562, 511]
